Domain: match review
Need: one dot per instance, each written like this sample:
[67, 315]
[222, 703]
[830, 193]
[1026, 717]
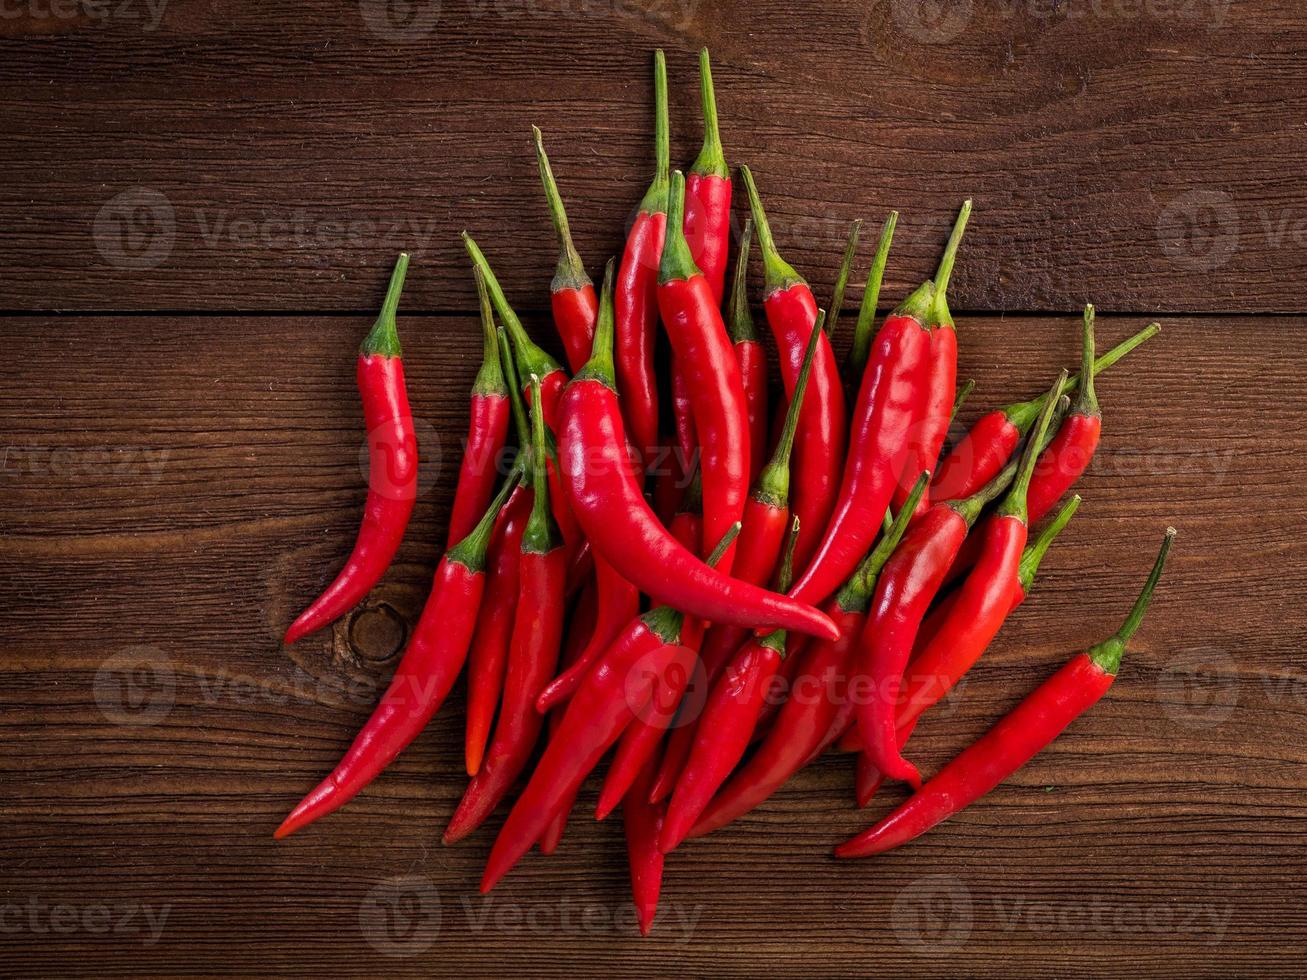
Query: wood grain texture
[175, 487]
[215, 155]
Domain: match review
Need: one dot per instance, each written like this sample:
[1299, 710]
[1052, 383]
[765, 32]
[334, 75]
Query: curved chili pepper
[637, 286]
[836, 306]
[643, 822]
[991, 441]
[572, 293]
[392, 470]
[486, 432]
[982, 606]
[726, 727]
[488, 655]
[704, 353]
[1015, 740]
[533, 650]
[620, 525]
[613, 693]
[803, 725]
[855, 362]
[823, 424]
[888, 402]
[642, 737]
[430, 665]
[750, 354]
[580, 630]
[707, 222]
[687, 439]
[926, 437]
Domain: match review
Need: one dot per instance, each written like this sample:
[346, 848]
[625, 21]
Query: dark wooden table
[199, 203]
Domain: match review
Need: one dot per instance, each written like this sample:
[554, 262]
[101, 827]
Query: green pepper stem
[842, 278]
[600, 366]
[490, 378]
[1107, 655]
[677, 260]
[471, 551]
[945, 271]
[531, 358]
[726, 541]
[665, 621]
[861, 347]
[383, 338]
[785, 577]
[711, 161]
[855, 594]
[774, 480]
[655, 199]
[1035, 551]
[521, 423]
[970, 507]
[570, 272]
[960, 398]
[778, 274]
[739, 318]
[541, 535]
[1015, 503]
[1086, 402]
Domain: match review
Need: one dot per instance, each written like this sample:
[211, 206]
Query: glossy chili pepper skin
[687, 439]
[750, 354]
[392, 471]
[620, 525]
[1064, 461]
[642, 822]
[889, 400]
[708, 192]
[488, 657]
[706, 358]
[613, 693]
[823, 424]
[636, 298]
[430, 664]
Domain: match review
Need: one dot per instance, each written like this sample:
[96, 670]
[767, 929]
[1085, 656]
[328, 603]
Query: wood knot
[376, 633]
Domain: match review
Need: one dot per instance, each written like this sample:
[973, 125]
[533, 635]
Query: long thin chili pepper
[704, 353]
[486, 431]
[637, 286]
[430, 665]
[836, 306]
[572, 293]
[642, 737]
[392, 470]
[750, 354]
[533, 651]
[643, 822]
[889, 399]
[926, 438]
[726, 725]
[580, 630]
[802, 726]
[687, 438]
[855, 361]
[983, 604]
[613, 694]
[991, 441]
[708, 192]
[823, 424]
[621, 526]
[1015, 740]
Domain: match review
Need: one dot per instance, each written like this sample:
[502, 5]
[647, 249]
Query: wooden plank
[168, 504]
[235, 156]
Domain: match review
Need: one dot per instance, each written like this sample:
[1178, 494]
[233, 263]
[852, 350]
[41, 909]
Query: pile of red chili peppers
[714, 587]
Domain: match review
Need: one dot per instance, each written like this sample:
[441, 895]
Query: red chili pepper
[613, 693]
[704, 353]
[708, 193]
[580, 630]
[1015, 740]
[888, 401]
[804, 722]
[486, 430]
[488, 656]
[982, 452]
[571, 294]
[533, 651]
[637, 286]
[750, 354]
[643, 822]
[823, 424]
[687, 440]
[392, 470]
[907, 587]
[621, 527]
[855, 362]
[430, 665]
[926, 438]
